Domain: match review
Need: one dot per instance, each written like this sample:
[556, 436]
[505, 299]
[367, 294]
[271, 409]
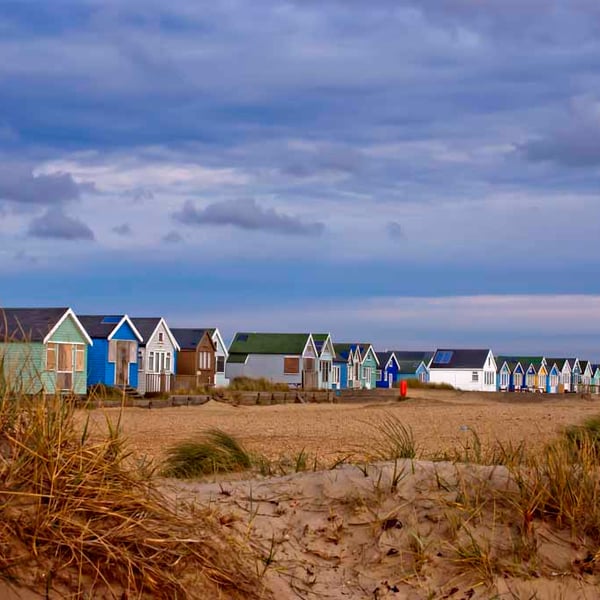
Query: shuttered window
[291, 365]
[80, 358]
[204, 360]
[51, 357]
[112, 351]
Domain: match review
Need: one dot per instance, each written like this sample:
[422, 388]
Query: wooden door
[122, 363]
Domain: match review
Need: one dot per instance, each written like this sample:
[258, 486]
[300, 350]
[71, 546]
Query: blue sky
[415, 173]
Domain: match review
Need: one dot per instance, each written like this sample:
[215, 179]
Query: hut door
[122, 363]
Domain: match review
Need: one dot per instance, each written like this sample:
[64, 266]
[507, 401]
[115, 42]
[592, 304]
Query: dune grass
[261, 384]
[72, 512]
[215, 452]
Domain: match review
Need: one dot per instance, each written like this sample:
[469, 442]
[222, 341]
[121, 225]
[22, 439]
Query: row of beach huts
[54, 350]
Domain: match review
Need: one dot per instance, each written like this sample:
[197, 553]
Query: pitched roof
[146, 326]
[189, 338]
[410, 366]
[384, 357]
[319, 339]
[28, 324]
[419, 355]
[342, 351]
[269, 343]
[459, 358]
[526, 361]
[583, 364]
[561, 362]
[511, 361]
[104, 326]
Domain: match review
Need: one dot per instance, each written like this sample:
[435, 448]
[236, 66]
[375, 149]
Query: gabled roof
[188, 338]
[147, 326]
[560, 362]
[365, 348]
[270, 343]
[420, 355]
[511, 362]
[35, 324]
[105, 326]
[320, 340]
[215, 333]
[584, 364]
[385, 358]
[454, 358]
[524, 361]
[410, 366]
[344, 351]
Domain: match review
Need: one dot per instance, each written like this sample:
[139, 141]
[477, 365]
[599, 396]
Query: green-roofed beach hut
[290, 358]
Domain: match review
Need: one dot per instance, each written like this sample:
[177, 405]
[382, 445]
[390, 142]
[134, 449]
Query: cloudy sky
[414, 173]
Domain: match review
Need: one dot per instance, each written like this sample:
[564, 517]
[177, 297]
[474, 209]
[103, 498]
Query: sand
[346, 535]
[440, 420]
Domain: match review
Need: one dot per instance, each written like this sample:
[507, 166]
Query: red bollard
[403, 388]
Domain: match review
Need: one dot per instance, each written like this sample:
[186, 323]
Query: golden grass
[71, 512]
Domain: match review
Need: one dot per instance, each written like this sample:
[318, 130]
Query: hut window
[291, 365]
[168, 362]
[51, 357]
[220, 364]
[474, 376]
[204, 360]
[160, 336]
[79, 358]
[151, 362]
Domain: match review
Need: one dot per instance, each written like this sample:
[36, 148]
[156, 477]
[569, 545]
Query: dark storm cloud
[55, 224]
[246, 214]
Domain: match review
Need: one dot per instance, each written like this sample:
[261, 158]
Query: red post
[403, 388]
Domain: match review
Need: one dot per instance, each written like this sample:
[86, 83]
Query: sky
[416, 174]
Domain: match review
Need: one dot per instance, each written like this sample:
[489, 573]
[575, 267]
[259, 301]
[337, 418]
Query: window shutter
[79, 358]
[51, 357]
[112, 351]
[291, 365]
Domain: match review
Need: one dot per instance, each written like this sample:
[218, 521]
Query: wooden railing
[159, 382]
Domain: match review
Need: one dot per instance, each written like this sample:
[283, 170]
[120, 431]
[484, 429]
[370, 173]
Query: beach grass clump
[417, 384]
[393, 440]
[215, 452]
[77, 522]
[260, 384]
[586, 435]
[562, 485]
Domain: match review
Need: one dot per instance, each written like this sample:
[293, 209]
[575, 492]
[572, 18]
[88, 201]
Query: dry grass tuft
[75, 522]
[260, 384]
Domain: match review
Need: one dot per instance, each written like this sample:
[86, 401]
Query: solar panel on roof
[242, 337]
[443, 357]
[110, 320]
